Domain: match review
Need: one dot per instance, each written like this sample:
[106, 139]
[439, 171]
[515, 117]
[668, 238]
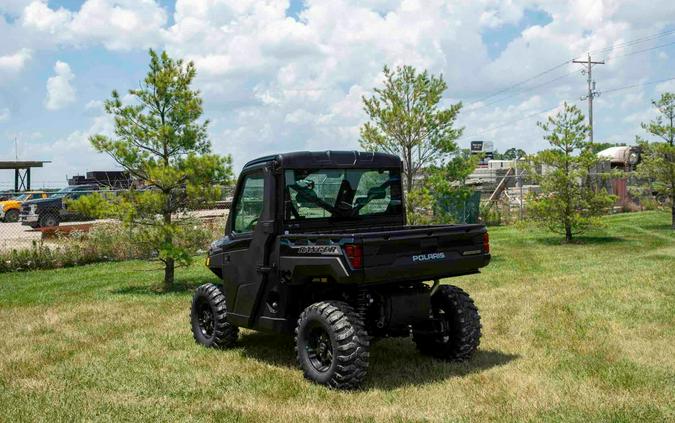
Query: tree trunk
[672, 212]
[168, 273]
[409, 175]
[169, 262]
[568, 232]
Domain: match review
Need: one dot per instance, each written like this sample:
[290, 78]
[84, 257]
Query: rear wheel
[12, 215]
[332, 345]
[460, 335]
[49, 220]
[208, 317]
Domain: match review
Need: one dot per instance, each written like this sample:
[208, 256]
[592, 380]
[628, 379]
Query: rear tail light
[486, 243]
[354, 254]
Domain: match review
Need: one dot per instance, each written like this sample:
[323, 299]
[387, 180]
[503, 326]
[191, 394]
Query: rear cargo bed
[412, 253]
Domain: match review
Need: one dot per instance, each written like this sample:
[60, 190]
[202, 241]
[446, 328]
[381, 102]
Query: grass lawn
[582, 332]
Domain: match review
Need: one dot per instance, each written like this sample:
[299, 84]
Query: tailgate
[424, 253]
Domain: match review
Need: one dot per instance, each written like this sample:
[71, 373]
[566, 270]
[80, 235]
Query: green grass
[580, 332]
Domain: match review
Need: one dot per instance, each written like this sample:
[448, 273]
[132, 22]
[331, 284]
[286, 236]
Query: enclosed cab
[317, 245]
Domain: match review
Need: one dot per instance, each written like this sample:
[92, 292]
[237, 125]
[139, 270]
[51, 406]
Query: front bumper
[27, 219]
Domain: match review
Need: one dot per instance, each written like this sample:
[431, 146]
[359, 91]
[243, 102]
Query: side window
[249, 204]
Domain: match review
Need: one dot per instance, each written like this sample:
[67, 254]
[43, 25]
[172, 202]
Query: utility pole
[591, 90]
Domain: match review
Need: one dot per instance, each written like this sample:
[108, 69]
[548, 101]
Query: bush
[490, 214]
[104, 242]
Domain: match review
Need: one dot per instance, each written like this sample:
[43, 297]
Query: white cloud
[94, 105]
[39, 16]
[273, 82]
[667, 86]
[15, 62]
[116, 24]
[13, 7]
[73, 153]
[4, 114]
[60, 92]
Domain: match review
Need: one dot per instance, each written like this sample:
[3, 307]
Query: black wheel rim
[319, 348]
[205, 319]
[12, 216]
[443, 336]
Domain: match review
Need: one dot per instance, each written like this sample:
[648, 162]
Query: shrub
[104, 242]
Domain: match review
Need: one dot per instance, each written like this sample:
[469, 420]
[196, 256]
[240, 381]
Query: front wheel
[12, 215]
[332, 345]
[208, 317]
[460, 329]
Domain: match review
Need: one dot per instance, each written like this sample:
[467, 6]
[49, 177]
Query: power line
[643, 50]
[633, 42]
[478, 134]
[509, 123]
[525, 90]
[521, 82]
[625, 44]
[637, 85]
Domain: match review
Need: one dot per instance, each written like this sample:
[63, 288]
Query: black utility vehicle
[48, 212]
[317, 245]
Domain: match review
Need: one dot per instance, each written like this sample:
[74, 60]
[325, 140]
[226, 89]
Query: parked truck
[11, 207]
[317, 246]
[51, 211]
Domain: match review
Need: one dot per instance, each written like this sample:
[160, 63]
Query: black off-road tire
[12, 215]
[49, 220]
[208, 318]
[461, 338]
[346, 364]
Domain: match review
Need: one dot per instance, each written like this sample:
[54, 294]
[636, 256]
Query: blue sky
[289, 75]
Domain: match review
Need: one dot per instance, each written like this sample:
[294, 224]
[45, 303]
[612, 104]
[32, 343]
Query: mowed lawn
[581, 332]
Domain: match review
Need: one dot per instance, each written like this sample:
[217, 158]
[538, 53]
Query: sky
[279, 75]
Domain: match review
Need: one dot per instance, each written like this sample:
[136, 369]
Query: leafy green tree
[160, 140]
[566, 205]
[443, 184]
[406, 119]
[510, 154]
[513, 153]
[658, 158]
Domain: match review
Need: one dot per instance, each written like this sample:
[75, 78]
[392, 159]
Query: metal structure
[592, 93]
[22, 171]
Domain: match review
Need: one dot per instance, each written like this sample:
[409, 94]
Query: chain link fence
[42, 217]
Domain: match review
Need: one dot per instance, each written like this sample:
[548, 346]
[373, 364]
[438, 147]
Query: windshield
[21, 197]
[340, 194]
[64, 191]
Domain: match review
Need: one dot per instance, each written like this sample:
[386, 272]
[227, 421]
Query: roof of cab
[330, 159]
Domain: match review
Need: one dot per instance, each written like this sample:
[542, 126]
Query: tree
[566, 205]
[658, 158]
[160, 141]
[513, 154]
[444, 185]
[406, 119]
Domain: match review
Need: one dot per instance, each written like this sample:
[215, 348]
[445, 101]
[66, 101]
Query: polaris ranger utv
[317, 245]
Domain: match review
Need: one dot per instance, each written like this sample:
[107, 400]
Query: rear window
[341, 194]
